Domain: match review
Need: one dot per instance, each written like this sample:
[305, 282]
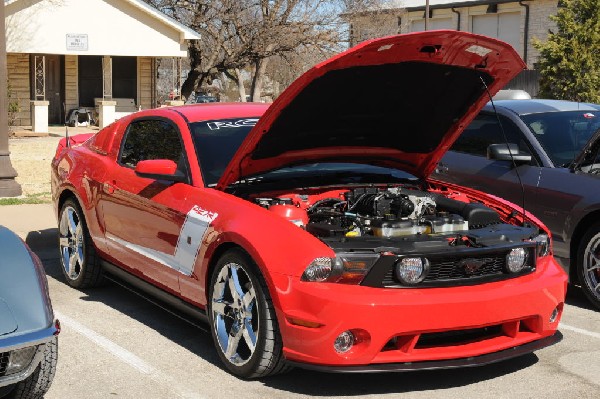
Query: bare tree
[240, 38]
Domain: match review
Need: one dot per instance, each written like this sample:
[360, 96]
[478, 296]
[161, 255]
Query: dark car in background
[202, 99]
[554, 147]
[28, 331]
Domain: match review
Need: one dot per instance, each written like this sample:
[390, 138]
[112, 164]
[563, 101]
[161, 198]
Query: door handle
[109, 188]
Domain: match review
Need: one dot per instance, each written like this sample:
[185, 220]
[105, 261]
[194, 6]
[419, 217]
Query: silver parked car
[28, 330]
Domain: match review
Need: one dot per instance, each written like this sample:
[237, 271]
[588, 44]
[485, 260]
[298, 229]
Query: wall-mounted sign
[77, 41]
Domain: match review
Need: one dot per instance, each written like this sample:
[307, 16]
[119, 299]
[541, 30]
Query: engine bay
[392, 215]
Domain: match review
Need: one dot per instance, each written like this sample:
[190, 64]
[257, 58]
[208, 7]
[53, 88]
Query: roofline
[457, 4]
[462, 4]
[185, 33]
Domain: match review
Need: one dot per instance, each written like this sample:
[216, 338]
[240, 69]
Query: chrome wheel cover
[234, 310]
[71, 242]
[591, 266]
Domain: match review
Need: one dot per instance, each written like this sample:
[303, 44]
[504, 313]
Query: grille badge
[471, 266]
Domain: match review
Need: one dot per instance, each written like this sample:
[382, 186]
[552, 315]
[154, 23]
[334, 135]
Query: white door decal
[190, 238]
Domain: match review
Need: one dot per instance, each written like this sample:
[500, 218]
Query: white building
[513, 21]
[66, 54]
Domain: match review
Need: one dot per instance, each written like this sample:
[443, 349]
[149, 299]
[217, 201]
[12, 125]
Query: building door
[55, 89]
[90, 79]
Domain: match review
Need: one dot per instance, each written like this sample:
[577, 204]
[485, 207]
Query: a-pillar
[106, 112]
[39, 116]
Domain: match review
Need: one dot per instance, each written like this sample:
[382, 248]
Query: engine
[380, 212]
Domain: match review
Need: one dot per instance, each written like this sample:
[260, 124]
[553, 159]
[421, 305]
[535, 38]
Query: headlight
[318, 270]
[543, 244]
[515, 260]
[412, 271]
[346, 268]
[20, 359]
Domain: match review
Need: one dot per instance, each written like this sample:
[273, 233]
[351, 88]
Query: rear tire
[242, 318]
[80, 263]
[588, 264]
[37, 384]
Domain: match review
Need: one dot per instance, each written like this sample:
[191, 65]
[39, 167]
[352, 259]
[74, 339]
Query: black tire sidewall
[248, 369]
[587, 237]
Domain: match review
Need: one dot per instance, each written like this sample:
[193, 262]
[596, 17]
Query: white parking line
[579, 330]
[125, 356]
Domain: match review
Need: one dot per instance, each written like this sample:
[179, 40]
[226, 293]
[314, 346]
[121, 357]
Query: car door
[144, 216]
[467, 163]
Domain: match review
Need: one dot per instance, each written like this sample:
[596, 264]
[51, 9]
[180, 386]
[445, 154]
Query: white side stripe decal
[190, 238]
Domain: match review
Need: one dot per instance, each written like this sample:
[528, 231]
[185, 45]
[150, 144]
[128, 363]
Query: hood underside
[397, 102]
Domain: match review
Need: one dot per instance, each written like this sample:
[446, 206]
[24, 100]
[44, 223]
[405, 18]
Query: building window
[504, 26]
[418, 25]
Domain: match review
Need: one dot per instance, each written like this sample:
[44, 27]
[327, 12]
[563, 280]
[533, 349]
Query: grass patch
[41, 198]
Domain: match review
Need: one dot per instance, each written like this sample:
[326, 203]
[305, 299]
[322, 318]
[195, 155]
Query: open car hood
[397, 102]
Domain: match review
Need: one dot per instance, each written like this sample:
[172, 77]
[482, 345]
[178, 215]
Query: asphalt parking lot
[116, 345]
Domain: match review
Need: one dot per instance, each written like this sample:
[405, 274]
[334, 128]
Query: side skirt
[166, 301]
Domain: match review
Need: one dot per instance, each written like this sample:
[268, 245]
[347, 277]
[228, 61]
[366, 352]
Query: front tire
[37, 384]
[80, 263]
[242, 318]
[588, 264]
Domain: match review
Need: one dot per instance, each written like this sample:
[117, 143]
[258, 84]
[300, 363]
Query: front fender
[21, 272]
[276, 245]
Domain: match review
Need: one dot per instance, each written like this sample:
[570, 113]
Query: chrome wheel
[591, 267]
[71, 241]
[234, 308]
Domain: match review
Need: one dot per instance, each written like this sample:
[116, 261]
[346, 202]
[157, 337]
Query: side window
[150, 139]
[485, 130]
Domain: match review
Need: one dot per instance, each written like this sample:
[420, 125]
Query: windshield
[216, 142]
[563, 134]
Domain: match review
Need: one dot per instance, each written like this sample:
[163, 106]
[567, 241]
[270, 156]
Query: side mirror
[159, 169]
[507, 152]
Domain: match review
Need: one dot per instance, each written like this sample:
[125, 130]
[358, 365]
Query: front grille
[457, 337]
[454, 269]
[3, 362]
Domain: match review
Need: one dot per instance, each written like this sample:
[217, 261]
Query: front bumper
[36, 338]
[481, 360]
[435, 327]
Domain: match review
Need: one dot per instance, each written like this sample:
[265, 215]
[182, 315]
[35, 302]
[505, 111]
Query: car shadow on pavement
[326, 384]
[576, 297]
[194, 337]
[198, 340]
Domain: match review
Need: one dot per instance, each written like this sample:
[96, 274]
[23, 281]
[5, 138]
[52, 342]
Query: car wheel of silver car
[242, 318]
[588, 264]
[80, 265]
[37, 384]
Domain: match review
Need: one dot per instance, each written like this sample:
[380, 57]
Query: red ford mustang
[307, 233]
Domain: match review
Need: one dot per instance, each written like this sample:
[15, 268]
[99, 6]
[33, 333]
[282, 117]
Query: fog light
[515, 260]
[20, 359]
[554, 315]
[412, 270]
[344, 342]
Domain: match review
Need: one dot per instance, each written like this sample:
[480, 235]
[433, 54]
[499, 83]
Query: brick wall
[18, 77]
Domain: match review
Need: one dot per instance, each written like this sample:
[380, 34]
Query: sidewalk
[35, 224]
[53, 131]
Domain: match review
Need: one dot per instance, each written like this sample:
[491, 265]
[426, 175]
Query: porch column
[8, 185]
[39, 116]
[106, 112]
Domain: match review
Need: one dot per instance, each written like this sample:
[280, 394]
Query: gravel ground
[31, 159]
